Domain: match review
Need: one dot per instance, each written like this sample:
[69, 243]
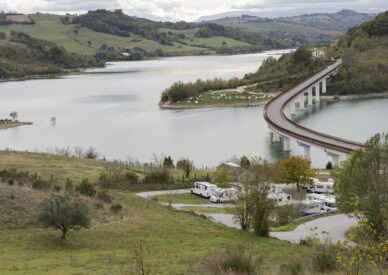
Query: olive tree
[62, 213]
[364, 177]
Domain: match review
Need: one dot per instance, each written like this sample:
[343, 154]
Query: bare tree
[14, 115]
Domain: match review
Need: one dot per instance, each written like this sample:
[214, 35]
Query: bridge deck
[275, 117]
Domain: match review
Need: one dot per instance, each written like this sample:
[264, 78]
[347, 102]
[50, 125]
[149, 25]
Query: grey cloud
[168, 6]
[289, 4]
[76, 5]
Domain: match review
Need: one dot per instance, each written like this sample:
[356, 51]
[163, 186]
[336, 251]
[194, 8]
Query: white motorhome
[224, 195]
[322, 187]
[318, 203]
[280, 198]
[204, 189]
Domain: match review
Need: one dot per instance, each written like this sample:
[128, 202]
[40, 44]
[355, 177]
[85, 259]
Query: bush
[293, 268]
[234, 260]
[157, 176]
[99, 205]
[10, 182]
[57, 188]
[324, 260]
[104, 196]
[38, 183]
[86, 188]
[132, 178]
[115, 208]
[91, 153]
[286, 214]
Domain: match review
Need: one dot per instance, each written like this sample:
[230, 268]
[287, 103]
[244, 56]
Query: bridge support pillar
[317, 98]
[293, 112]
[286, 144]
[335, 159]
[306, 149]
[310, 97]
[275, 137]
[301, 101]
[324, 85]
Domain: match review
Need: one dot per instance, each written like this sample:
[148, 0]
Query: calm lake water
[115, 110]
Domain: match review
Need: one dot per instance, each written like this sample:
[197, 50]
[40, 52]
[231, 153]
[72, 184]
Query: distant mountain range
[317, 28]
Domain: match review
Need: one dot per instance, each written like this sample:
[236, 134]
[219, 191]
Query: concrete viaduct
[282, 126]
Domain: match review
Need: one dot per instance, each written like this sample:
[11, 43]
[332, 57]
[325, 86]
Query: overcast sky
[190, 10]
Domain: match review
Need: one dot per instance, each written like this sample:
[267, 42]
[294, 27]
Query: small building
[317, 53]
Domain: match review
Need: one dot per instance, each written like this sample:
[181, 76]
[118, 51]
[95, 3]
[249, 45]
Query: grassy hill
[178, 242]
[317, 29]
[22, 56]
[102, 31]
[339, 21]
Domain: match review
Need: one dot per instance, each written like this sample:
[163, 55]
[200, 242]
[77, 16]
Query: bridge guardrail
[302, 137]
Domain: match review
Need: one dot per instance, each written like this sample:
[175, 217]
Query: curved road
[335, 225]
[276, 118]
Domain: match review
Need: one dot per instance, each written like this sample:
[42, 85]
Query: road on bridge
[277, 120]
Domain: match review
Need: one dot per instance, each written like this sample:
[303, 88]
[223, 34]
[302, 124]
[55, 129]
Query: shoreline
[325, 98]
[14, 125]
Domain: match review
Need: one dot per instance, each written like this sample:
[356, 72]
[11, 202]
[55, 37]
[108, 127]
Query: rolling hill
[109, 34]
[317, 29]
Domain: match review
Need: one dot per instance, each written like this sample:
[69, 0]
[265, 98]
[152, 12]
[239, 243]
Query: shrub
[293, 268]
[104, 196]
[57, 188]
[233, 260]
[91, 153]
[157, 176]
[99, 205]
[69, 185]
[286, 214]
[38, 183]
[324, 260]
[132, 178]
[86, 188]
[329, 165]
[115, 208]
[10, 182]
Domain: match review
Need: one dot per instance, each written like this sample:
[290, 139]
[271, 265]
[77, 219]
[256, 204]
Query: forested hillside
[21, 56]
[364, 51]
[317, 29]
[170, 34]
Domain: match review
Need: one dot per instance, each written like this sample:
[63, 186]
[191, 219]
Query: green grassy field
[178, 241]
[182, 198]
[49, 27]
[225, 210]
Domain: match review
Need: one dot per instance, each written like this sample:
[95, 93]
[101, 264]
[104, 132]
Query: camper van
[321, 187]
[280, 198]
[318, 203]
[203, 189]
[224, 195]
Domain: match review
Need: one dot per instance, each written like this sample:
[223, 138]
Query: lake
[115, 110]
